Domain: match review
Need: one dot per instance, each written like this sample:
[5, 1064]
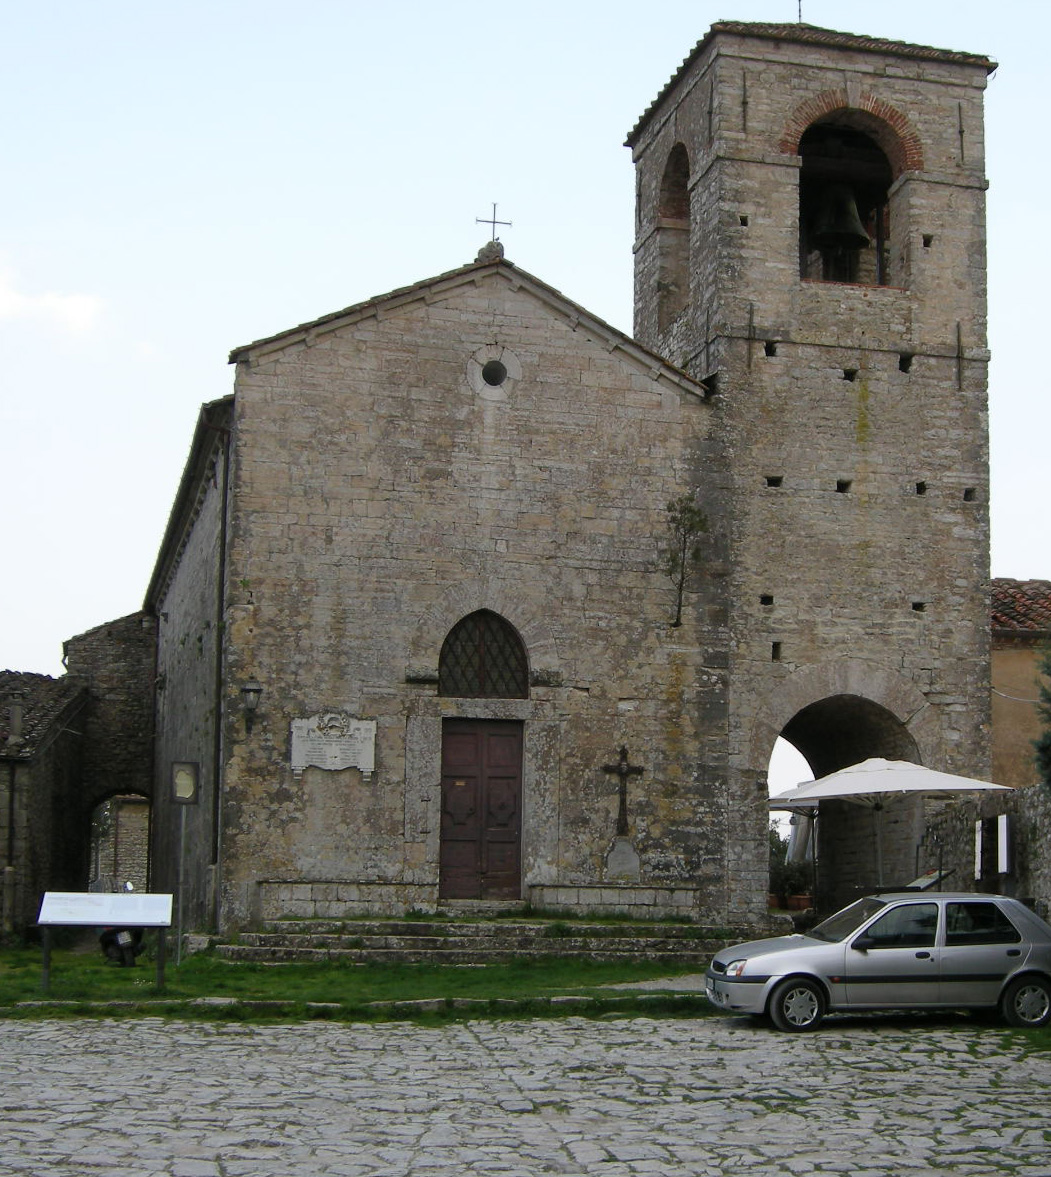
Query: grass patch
[267, 992]
[1031, 1039]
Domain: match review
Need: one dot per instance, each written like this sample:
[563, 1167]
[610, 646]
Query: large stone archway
[836, 715]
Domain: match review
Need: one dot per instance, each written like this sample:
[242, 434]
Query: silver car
[901, 951]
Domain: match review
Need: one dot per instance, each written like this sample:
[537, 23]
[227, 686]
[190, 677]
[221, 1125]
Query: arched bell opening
[852, 842]
[846, 223]
[673, 230]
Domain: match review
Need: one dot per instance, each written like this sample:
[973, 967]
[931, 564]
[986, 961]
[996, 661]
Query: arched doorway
[120, 843]
[834, 733]
[483, 657]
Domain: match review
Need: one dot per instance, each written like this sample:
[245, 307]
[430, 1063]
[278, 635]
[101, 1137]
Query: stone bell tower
[810, 242]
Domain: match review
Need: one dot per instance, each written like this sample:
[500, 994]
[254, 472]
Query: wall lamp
[250, 694]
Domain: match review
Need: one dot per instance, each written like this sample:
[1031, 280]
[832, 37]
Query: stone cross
[622, 770]
[491, 221]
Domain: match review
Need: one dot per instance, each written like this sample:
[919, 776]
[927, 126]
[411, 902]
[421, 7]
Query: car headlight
[735, 968]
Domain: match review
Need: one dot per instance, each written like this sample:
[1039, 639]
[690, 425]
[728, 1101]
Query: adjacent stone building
[1021, 639]
[416, 633]
[1002, 839]
[40, 765]
[67, 745]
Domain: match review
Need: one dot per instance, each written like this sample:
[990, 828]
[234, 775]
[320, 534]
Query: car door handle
[1014, 952]
[923, 956]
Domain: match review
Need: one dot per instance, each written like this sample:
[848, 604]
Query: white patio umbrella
[876, 782]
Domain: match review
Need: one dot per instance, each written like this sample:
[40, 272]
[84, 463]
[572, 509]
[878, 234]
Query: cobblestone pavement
[620, 1098]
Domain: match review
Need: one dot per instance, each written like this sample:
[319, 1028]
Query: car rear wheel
[797, 1005]
[1027, 1002]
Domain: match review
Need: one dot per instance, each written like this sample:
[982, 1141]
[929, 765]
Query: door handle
[1014, 952]
[923, 956]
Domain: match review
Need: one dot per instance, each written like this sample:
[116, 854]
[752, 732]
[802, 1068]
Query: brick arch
[891, 129]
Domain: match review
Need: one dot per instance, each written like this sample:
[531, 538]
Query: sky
[182, 178]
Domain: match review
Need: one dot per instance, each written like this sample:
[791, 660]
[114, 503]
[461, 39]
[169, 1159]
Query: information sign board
[105, 909]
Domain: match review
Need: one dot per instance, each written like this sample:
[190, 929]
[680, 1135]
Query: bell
[838, 225]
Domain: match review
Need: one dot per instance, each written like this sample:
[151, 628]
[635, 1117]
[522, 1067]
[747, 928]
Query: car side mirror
[863, 943]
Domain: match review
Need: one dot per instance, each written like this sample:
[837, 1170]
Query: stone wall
[187, 596]
[1016, 716]
[1029, 834]
[121, 852]
[116, 660]
[384, 491]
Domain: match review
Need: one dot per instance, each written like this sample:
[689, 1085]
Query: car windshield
[846, 922]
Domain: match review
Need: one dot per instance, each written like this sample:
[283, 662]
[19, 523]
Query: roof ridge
[495, 266]
[373, 299]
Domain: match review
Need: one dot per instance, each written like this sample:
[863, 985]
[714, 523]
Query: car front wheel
[1027, 1002]
[797, 1005]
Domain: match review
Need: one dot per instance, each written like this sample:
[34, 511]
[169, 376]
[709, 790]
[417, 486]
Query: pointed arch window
[483, 658]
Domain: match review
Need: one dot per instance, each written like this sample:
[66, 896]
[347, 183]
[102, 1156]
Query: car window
[844, 923]
[911, 925]
[978, 923]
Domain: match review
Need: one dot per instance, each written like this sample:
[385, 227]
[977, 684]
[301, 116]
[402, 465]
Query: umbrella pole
[813, 854]
[879, 844]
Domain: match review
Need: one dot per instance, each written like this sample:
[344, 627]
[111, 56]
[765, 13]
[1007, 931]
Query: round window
[494, 373]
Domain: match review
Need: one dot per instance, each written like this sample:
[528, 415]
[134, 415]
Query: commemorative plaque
[334, 740]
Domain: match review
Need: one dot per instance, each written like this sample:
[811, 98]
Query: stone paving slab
[623, 1098]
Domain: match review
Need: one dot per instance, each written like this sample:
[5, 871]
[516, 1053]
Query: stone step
[272, 954]
[560, 944]
[466, 942]
[487, 930]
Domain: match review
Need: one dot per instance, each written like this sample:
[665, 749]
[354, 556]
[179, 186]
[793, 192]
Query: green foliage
[1042, 744]
[682, 552]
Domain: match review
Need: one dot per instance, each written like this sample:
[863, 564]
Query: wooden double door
[481, 831]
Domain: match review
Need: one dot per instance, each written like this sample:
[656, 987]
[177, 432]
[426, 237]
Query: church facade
[422, 637]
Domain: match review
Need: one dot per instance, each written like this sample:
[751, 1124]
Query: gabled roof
[1021, 606]
[46, 705]
[803, 34]
[490, 262]
[215, 419]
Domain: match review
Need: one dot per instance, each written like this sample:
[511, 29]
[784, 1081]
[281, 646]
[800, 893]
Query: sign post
[186, 778]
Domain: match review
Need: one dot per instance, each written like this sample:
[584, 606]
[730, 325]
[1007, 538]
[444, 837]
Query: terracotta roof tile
[1021, 604]
[44, 700]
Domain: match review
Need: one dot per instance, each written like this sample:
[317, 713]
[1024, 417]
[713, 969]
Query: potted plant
[790, 882]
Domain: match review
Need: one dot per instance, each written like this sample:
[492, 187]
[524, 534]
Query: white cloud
[75, 314]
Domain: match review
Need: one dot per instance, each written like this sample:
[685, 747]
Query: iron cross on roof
[491, 221]
[622, 770]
